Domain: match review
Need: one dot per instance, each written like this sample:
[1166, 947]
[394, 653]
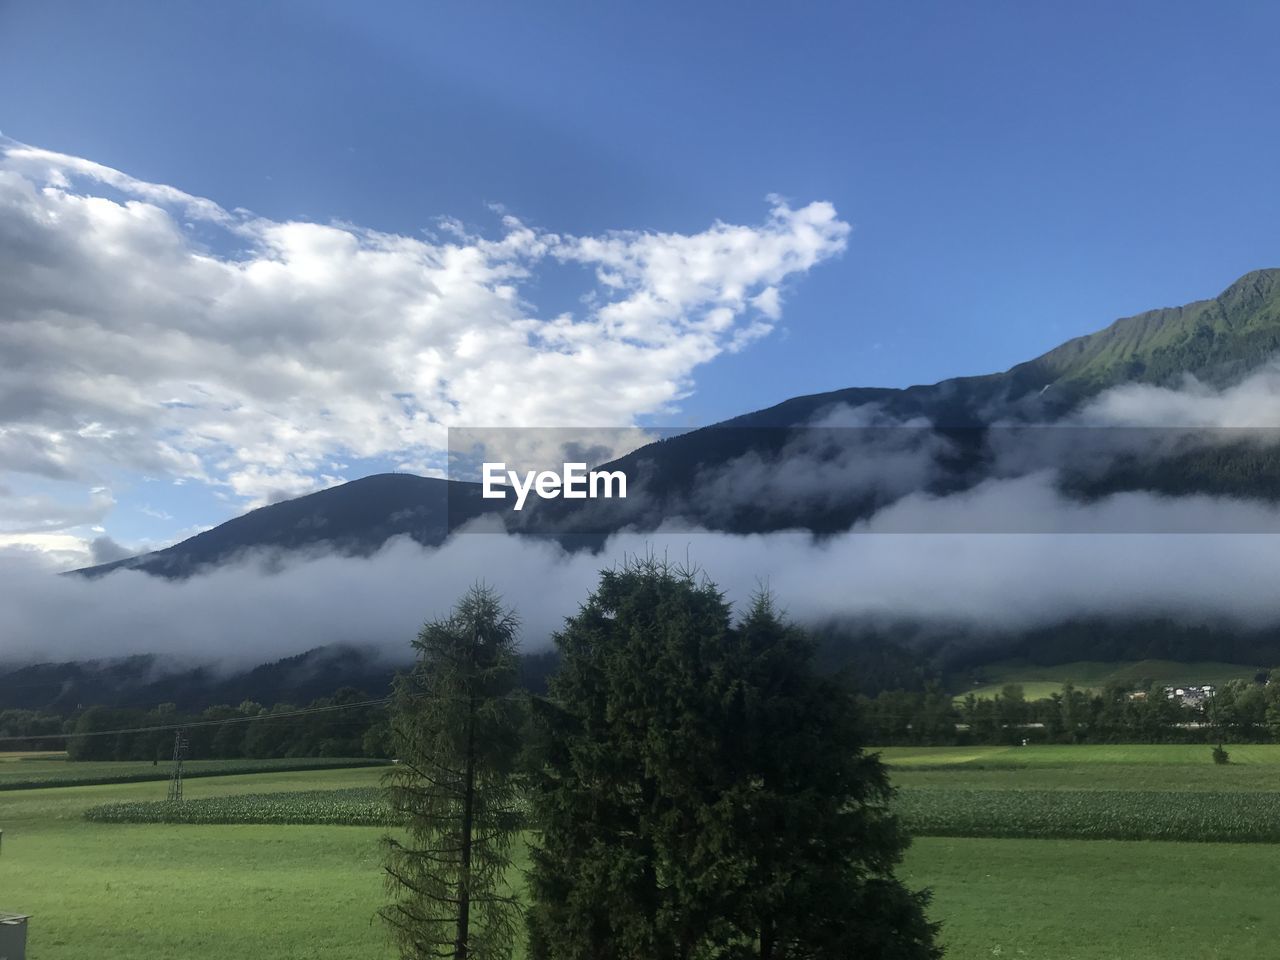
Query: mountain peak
[1216, 341]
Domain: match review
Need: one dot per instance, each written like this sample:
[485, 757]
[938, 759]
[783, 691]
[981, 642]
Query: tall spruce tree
[620, 722]
[455, 731]
[804, 819]
[704, 795]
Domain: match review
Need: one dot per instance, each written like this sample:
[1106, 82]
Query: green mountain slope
[1217, 341]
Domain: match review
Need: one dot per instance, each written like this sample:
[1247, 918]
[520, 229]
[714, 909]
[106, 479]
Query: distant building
[1193, 695]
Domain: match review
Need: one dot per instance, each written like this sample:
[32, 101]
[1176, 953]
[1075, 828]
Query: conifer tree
[703, 794]
[620, 722]
[455, 733]
[807, 834]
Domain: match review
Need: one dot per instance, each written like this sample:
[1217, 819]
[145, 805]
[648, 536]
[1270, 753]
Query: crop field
[1236, 817]
[355, 806]
[154, 891]
[1121, 791]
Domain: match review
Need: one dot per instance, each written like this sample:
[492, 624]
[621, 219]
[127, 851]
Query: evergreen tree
[808, 831]
[704, 795]
[621, 722]
[454, 732]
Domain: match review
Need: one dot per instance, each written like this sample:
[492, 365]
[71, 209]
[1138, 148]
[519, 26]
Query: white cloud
[32, 514]
[1253, 403]
[53, 168]
[244, 614]
[45, 552]
[148, 331]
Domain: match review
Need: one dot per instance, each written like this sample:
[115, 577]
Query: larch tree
[454, 729]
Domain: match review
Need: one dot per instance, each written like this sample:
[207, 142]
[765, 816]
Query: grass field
[156, 892]
[1100, 900]
[29, 771]
[1181, 767]
[159, 891]
[1039, 682]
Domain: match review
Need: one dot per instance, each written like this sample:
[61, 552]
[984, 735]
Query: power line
[173, 727]
[288, 715]
[180, 744]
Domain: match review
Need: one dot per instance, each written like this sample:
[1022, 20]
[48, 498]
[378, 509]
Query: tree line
[339, 727]
[1240, 711]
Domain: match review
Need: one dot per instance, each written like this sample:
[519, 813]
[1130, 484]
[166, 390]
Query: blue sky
[1014, 174]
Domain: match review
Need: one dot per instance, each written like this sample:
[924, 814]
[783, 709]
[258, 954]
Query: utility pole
[180, 745]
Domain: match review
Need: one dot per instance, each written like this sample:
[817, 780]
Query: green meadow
[1175, 767]
[137, 892]
[126, 891]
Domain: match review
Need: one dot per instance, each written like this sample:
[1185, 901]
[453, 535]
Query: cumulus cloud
[44, 552]
[149, 331]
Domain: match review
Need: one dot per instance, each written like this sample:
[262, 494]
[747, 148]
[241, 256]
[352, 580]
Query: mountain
[353, 518]
[143, 681]
[1218, 341]
[875, 657]
[146, 680]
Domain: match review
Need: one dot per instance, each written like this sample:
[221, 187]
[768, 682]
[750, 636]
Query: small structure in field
[13, 936]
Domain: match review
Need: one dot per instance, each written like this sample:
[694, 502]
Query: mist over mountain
[1157, 435]
[734, 476]
[144, 680]
[354, 519]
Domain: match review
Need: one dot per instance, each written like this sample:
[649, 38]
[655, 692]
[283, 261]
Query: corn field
[1236, 817]
[357, 806]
